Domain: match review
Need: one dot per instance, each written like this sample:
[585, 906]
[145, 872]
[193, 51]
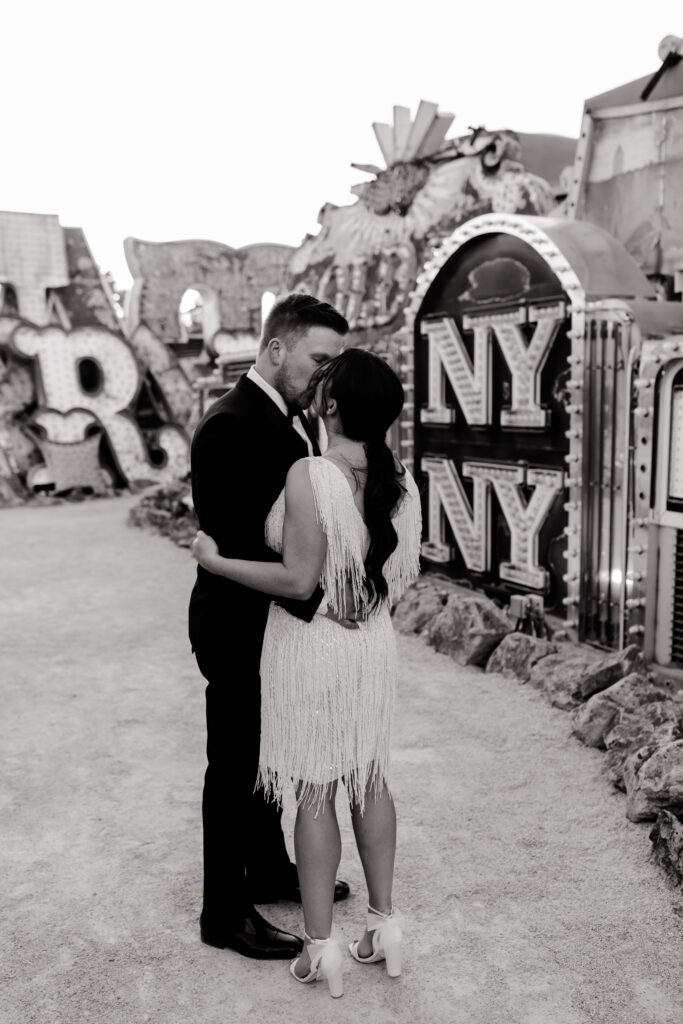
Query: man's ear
[275, 350]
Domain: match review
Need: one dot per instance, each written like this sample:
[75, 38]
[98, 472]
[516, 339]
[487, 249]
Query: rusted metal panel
[629, 168]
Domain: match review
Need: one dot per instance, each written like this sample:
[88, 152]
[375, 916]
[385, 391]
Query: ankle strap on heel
[317, 947]
[379, 913]
[376, 918]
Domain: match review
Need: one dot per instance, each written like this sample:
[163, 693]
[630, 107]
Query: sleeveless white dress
[327, 693]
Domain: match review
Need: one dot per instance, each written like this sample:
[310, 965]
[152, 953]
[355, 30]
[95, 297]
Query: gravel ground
[527, 895]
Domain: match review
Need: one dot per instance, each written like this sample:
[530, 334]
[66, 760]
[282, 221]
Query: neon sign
[492, 387]
[69, 408]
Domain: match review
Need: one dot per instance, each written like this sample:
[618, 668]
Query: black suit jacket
[242, 450]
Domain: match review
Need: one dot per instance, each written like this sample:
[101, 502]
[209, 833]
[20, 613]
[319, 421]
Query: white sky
[237, 121]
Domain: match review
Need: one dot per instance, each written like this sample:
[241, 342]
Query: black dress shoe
[288, 889]
[253, 936]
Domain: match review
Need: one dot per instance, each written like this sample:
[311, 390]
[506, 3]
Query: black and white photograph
[341, 513]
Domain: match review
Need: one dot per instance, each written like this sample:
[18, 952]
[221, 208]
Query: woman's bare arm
[303, 551]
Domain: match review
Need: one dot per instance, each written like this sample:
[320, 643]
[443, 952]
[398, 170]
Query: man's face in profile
[293, 378]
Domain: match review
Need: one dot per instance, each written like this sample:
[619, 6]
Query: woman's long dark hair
[369, 397]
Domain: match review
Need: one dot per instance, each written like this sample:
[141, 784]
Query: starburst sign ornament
[406, 146]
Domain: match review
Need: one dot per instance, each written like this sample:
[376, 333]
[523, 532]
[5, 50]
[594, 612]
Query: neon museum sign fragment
[470, 380]
[67, 411]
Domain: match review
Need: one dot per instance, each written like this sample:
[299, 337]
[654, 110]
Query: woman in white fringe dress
[351, 521]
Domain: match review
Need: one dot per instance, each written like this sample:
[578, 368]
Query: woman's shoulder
[311, 473]
[299, 472]
[325, 479]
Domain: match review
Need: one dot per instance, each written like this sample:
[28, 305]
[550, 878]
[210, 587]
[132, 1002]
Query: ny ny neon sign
[470, 380]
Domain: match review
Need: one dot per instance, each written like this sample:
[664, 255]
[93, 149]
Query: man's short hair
[291, 317]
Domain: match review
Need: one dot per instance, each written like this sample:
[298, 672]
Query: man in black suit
[241, 453]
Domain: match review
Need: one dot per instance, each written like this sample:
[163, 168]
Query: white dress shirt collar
[275, 396]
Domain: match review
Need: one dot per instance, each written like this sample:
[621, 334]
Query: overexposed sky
[236, 121]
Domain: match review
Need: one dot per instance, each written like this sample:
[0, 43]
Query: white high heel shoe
[386, 941]
[326, 962]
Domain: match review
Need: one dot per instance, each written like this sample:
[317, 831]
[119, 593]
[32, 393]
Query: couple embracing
[300, 557]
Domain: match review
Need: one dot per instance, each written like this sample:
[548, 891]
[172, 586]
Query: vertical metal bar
[676, 619]
[591, 482]
[613, 414]
[599, 435]
[606, 483]
[587, 574]
[626, 483]
[584, 581]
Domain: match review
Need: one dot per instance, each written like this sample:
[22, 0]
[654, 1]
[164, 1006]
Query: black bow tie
[306, 425]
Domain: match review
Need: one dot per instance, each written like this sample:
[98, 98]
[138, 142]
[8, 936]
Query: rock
[12, 489]
[182, 531]
[158, 517]
[575, 673]
[656, 723]
[167, 509]
[653, 777]
[517, 653]
[667, 844]
[637, 808]
[600, 712]
[609, 670]
[137, 516]
[443, 585]
[468, 628]
[559, 675]
[418, 606]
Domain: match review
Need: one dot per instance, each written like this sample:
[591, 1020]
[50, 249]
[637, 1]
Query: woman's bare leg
[317, 848]
[375, 832]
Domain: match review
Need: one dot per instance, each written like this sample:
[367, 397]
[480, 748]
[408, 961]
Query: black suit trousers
[243, 838]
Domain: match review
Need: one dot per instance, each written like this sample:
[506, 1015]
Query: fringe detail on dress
[347, 535]
[403, 564]
[327, 697]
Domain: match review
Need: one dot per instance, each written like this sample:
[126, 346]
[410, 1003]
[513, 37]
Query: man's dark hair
[291, 317]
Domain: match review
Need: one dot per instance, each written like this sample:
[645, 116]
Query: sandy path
[528, 897]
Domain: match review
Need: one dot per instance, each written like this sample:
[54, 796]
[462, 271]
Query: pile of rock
[168, 510]
[615, 704]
